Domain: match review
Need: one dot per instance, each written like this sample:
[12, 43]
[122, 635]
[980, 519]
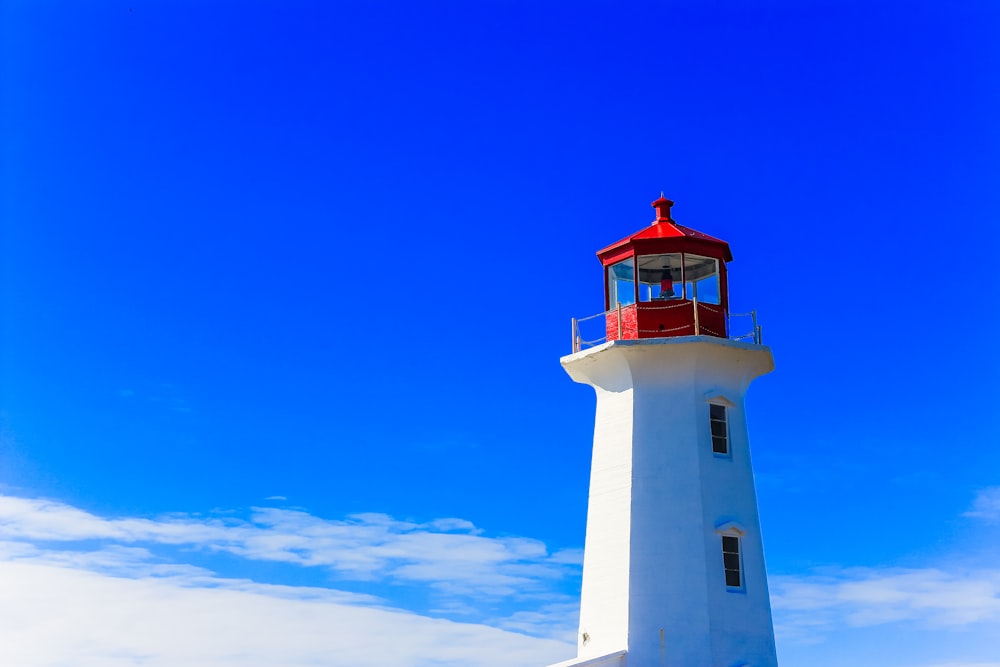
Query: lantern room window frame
[656, 287]
[664, 273]
[616, 274]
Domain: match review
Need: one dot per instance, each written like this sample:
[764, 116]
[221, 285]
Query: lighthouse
[673, 569]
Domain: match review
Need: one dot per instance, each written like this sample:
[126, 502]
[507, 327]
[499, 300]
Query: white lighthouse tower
[673, 571]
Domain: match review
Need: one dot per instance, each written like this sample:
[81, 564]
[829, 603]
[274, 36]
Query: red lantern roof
[665, 235]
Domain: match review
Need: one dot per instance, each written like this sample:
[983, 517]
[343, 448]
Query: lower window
[731, 561]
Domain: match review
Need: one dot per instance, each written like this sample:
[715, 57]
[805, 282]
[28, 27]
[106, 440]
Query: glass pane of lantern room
[621, 285]
[660, 277]
[701, 275]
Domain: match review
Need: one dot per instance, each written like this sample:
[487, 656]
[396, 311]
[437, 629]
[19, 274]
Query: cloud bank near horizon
[50, 614]
[91, 590]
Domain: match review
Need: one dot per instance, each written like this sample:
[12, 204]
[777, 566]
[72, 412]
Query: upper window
[720, 428]
[621, 284]
[731, 561]
[661, 277]
[701, 278]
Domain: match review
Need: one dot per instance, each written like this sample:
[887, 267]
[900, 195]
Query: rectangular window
[701, 279]
[661, 277]
[731, 561]
[720, 430]
[621, 284]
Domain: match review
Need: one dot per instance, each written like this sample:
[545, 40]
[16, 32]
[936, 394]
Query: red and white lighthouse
[673, 570]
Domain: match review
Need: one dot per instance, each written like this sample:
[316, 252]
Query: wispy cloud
[78, 588]
[159, 396]
[986, 504]
[450, 555]
[508, 582]
[953, 594]
[53, 614]
[813, 605]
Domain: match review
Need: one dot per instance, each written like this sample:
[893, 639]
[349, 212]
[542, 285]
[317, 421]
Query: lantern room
[666, 280]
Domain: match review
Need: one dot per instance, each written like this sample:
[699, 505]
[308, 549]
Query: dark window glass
[720, 431]
[731, 560]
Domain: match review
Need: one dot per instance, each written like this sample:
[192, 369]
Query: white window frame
[732, 530]
[727, 447]
[716, 398]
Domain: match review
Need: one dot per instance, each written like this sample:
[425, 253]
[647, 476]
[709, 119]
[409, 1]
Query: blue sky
[284, 290]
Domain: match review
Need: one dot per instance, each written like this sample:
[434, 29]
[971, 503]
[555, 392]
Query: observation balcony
[685, 318]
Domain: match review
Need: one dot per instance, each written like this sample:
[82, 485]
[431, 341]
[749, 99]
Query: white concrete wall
[653, 580]
[604, 604]
[616, 659]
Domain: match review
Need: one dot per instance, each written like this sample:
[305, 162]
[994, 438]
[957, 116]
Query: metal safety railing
[614, 322]
[579, 343]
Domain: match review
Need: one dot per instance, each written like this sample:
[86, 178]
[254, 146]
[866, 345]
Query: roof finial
[662, 206]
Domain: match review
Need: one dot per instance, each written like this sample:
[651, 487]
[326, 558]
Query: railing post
[697, 329]
[756, 329]
[619, 320]
[576, 338]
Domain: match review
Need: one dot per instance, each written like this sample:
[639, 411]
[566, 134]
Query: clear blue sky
[320, 259]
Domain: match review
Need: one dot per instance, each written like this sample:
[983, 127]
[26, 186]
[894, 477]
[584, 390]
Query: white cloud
[945, 615]
[78, 588]
[509, 583]
[450, 555]
[552, 616]
[986, 504]
[52, 614]
[812, 605]
[37, 519]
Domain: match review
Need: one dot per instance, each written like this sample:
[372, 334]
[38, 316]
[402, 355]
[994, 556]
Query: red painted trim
[724, 291]
[608, 260]
[635, 281]
[607, 289]
[666, 234]
[662, 246]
